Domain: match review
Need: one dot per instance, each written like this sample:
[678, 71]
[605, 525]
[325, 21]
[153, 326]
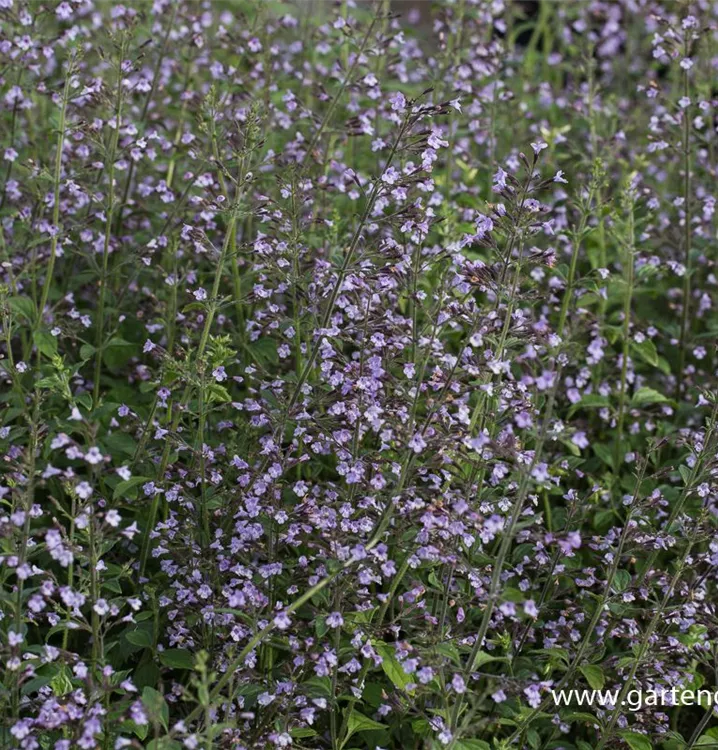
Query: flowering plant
[358, 373]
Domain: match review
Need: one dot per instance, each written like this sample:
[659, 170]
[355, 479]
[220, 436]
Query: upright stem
[70, 568]
[100, 326]
[629, 273]
[506, 541]
[49, 273]
[94, 589]
[335, 100]
[236, 279]
[145, 110]
[597, 612]
[28, 498]
[576, 245]
[646, 640]
[209, 319]
[685, 313]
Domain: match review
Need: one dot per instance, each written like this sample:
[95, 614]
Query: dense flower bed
[357, 373]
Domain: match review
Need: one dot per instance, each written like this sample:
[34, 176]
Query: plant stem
[629, 265]
[145, 109]
[49, 274]
[109, 211]
[506, 541]
[209, 319]
[685, 312]
[645, 641]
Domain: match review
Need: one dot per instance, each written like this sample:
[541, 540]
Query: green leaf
[582, 716]
[124, 489]
[636, 741]
[264, 350]
[712, 733]
[60, 683]
[621, 580]
[594, 676]
[147, 674]
[360, 723]
[140, 730]
[590, 298]
[450, 651]
[118, 352]
[120, 442]
[84, 399]
[685, 473]
[590, 401]
[392, 667]
[604, 452]
[647, 396]
[33, 685]
[299, 733]
[112, 584]
[23, 306]
[140, 637]
[646, 350]
[164, 743]
[318, 687]
[177, 658]
[483, 658]
[46, 343]
[156, 706]
[217, 393]
[571, 447]
[603, 519]
[472, 745]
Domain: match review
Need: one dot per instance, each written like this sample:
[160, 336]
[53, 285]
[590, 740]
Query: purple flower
[335, 620]
[417, 443]
[458, 684]
[282, 621]
[397, 101]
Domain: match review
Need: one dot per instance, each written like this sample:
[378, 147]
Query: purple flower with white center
[282, 621]
[579, 439]
[533, 695]
[83, 490]
[499, 180]
[94, 456]
[335, 620]
[417, 443]
[397, 101]
[458, 683]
